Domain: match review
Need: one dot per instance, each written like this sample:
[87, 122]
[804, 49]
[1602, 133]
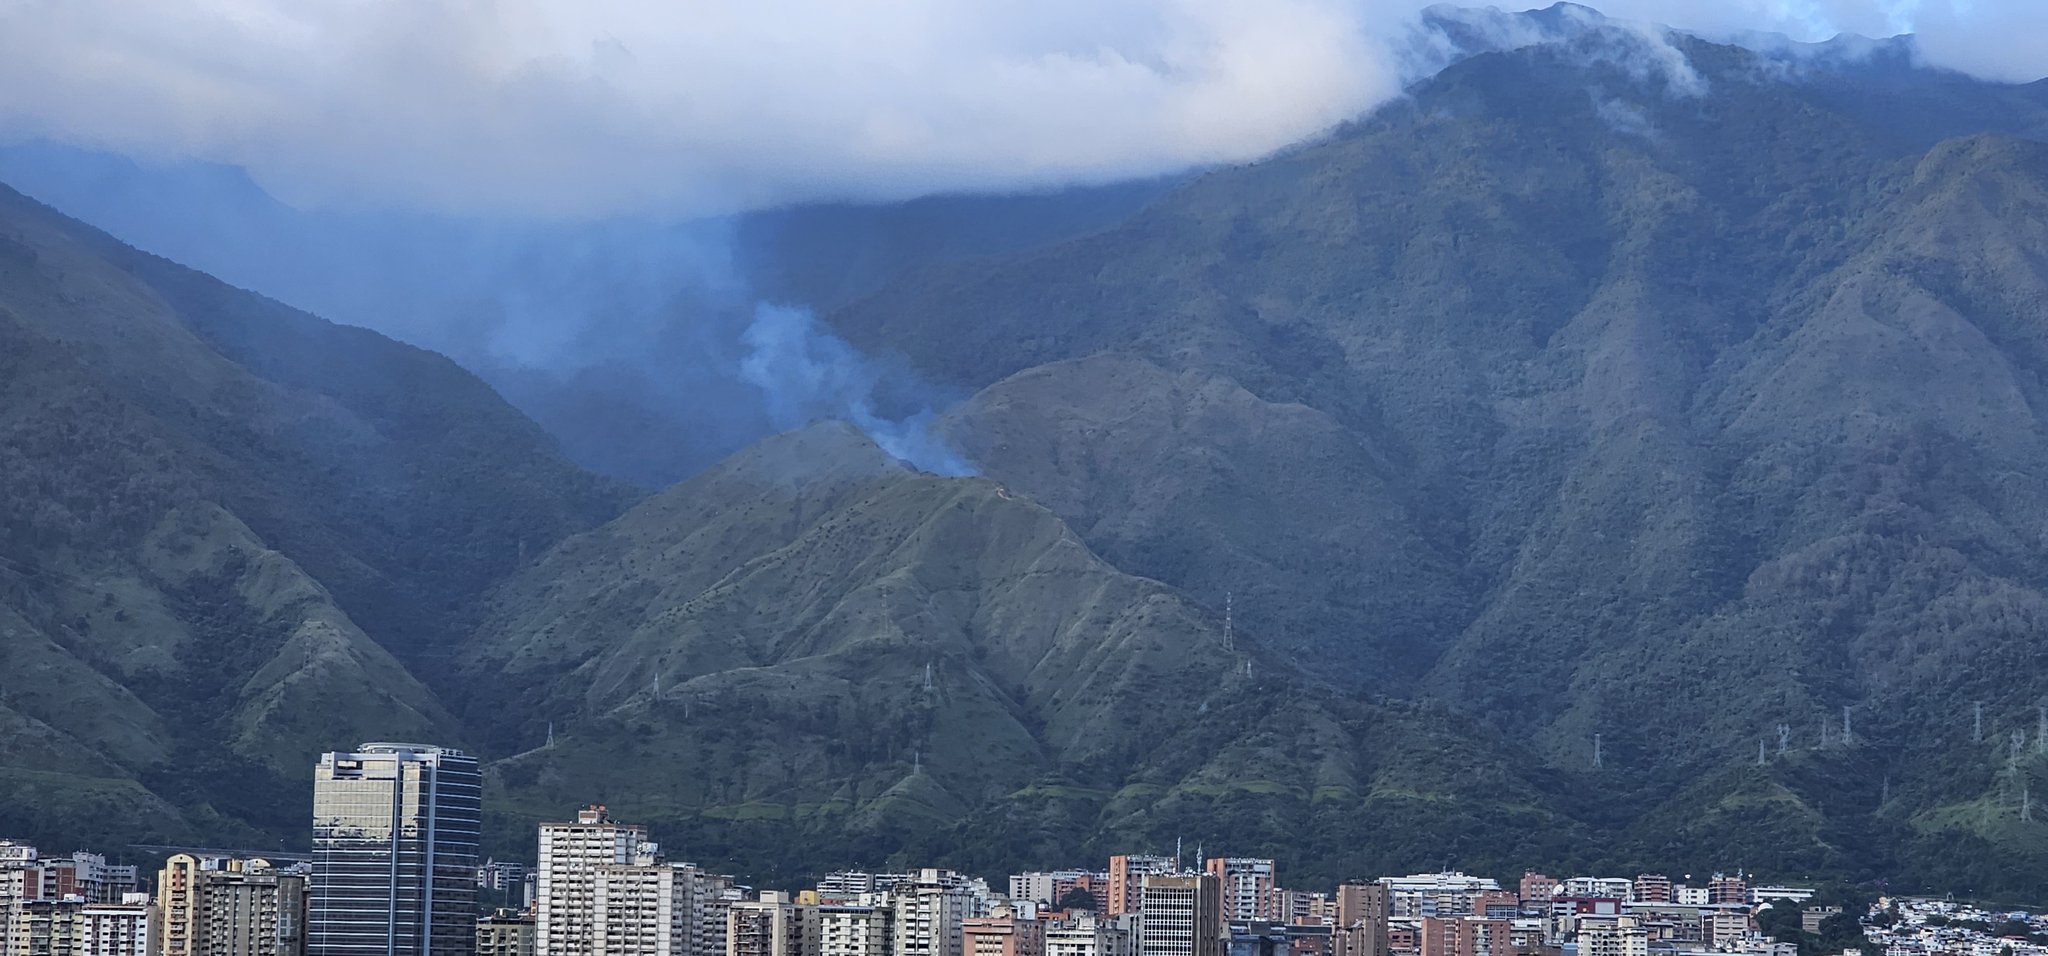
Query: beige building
[1622, 936]
[652, 908]
[1181, 916]
[73, 926]
[1250, 890]
[1002, 933]
[772, 925]
[1360, 927]
[215, 906]
[856, 930]
[1091, 935]
[565, 914]
[505, 933]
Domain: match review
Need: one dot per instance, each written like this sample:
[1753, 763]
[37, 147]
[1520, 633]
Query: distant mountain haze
[1608, 382]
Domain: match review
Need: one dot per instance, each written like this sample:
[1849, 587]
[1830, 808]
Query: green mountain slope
[1666, 403]
[813, 653]
[222, 519]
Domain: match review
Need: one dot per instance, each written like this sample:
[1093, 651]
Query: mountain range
[1621, 451]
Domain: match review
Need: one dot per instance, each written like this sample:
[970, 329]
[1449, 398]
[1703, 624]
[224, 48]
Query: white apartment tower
[565, 921]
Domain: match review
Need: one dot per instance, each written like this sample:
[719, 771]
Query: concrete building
[1465, 936]
[1434, 894]
[850, 886]
[74, 926]
[1620, 936]
[1597, 888]
[565, 905]
[1727, 889]
[772, 925]
[1127, 877]
[1181, 916]
[1650, 888]
[931, 911]
[394, 852]
[856, 930]
[506, 932]
[1250, 889]
[1002, 933]
[220, 906]
[652, 908]
[1091, 935]
[1535, 892]
[1361, 920]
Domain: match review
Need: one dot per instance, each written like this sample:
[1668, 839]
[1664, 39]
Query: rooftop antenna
[1784, 737]
[1977, 730]
[1596, 751]
[1176, 852]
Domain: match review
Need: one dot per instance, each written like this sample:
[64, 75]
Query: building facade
[215, 906]
[394, 852]
[1127, 877]
[1250, 889]
[1361, 920]
[565, 905]
[1181, 916]
[505, 932]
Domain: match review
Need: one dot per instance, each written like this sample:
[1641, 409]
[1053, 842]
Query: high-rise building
[1127, 876]
[1002, 933]
[1536, 891]
[215, 906]
[1623, 936]
[652, 908]
[856, 930]
[1651, 888]
[506, 932]
[565, 909]
[931, 910]
[1465, 936]
[1250, 890]
[74, 926]
[394, 852]
[1091, 935]
[772, 925]
[1727, 889]
[1181, 916]
[1361, 920]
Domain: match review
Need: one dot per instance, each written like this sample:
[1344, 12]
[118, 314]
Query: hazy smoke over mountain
[539, 108]
[500, 180]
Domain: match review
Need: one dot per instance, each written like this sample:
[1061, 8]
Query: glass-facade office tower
[394, 852]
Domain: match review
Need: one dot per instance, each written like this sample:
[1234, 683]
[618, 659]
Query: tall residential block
[1250, 890]
[772, 925]
[1466, 936]
[1181, 916]
[217, 906]
[1651, 888]
[394, 852]
[653, 908]
[856, 930]
[931, 911]
[1126, 879]
[1091, 935]
[506, 932]
[1361, 920]
[565, 909]
[1002, 933]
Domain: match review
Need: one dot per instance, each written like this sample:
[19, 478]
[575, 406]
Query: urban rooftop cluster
[394, 871]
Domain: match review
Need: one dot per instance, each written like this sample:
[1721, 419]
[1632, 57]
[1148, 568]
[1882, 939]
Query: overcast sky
[574, 108]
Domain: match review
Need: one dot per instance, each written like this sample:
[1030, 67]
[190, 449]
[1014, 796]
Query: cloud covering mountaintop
[528, 108]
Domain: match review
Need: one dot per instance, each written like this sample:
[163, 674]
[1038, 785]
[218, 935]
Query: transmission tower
[1759, 751]
[1977, 728]
[1784, 738]
[1596, 751]
[1847, 737]
[1229, 624]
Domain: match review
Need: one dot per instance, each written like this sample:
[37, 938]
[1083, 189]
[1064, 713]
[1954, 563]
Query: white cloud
[593, 107]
